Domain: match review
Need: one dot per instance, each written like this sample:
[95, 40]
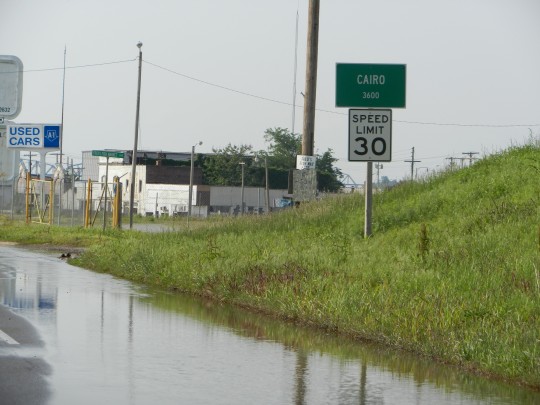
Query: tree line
[223, 166]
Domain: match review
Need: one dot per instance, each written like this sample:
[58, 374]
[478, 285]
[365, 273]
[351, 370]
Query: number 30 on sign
[370, 135]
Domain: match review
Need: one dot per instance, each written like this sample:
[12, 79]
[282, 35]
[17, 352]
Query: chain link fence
[62, 202]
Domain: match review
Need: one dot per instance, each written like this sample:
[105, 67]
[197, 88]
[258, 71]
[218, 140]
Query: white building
[162, 189]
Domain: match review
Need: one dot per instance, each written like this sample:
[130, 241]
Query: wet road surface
[71, 336]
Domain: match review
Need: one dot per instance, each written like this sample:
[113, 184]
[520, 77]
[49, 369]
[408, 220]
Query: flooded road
[89, 338]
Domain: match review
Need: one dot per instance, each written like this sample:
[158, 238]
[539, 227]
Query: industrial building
[162, 182]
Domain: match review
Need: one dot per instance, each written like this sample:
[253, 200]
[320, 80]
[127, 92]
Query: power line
[72, 67]
[329, 111]
[270, 99]
[217, 85]
[468, 125]
[434, 157]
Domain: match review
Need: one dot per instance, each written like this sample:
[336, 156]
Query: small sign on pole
[108, 153]
[305, 162]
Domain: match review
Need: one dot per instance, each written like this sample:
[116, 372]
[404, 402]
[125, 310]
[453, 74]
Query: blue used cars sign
[34, 136]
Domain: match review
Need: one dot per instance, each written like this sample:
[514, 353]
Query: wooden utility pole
[471, 158]
[412, 161]
[451, 159]
[311, 78]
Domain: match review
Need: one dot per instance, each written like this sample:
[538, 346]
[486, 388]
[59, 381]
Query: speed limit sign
[370, 135]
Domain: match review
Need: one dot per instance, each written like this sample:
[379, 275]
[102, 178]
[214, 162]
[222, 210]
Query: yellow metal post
[27, 199]
[87, 205]
[51, 201]
[117, 202]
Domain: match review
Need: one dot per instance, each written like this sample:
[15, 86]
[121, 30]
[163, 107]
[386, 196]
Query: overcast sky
[223, 71]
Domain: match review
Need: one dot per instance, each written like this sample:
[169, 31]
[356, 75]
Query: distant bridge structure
[348, 181]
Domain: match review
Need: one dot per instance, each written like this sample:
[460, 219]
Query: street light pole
[190, 196]
[242, 193]
[134, 155]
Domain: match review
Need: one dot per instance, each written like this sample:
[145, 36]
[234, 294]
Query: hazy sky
[473, 68]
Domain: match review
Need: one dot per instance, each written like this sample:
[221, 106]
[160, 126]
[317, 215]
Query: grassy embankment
[452, 271]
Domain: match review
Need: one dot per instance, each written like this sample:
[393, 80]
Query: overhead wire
[330, 111]
[245, 93]
[73, 67]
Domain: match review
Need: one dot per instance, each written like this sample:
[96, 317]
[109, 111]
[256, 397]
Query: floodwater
[106, 340]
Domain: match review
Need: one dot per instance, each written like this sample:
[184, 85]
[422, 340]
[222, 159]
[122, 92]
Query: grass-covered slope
[452, 270]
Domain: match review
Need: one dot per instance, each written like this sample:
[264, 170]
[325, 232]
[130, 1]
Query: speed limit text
[367, 123]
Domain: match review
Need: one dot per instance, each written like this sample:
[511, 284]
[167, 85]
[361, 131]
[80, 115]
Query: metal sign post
[368, 191]
[370, 140]
[106, 192]
[370, 130]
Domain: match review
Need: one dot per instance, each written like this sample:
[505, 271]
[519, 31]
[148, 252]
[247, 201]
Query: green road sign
[370, 85]
[108, 153]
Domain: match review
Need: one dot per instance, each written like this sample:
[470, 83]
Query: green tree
[283, 148]
[327, 174]
[223, 167]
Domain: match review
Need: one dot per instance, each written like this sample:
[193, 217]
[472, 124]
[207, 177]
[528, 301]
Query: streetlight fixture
[242, 192]
[191, 177]
[134, 155]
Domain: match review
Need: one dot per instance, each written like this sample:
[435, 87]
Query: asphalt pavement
[23, 371]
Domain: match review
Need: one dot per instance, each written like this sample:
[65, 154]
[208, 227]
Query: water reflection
[312, 348]
[20, 292]
[300, 378]
[108, 341]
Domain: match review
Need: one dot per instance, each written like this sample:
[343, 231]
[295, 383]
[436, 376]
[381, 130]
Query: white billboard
[11, 86]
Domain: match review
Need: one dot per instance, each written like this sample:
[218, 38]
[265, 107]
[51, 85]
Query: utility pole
[192, 168]
[242, 190]
[63, 93]
[451, 159]
[412, 161]
[470, 156]
[134, 155]
[311, 78]
[267, 186]
[295, 69]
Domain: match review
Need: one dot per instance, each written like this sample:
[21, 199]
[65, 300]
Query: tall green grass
[452, 271]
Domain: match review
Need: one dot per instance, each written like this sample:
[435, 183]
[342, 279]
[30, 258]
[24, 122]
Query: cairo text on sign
[370, 85]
